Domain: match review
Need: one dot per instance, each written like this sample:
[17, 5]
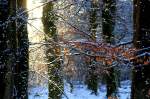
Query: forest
[74, 49]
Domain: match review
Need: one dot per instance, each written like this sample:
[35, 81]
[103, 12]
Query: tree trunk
[53, 52]
[108, 24]
[21, 67]
[14, 51]
[92, 78]
[4, 73]
[141, 77]
[108, 19]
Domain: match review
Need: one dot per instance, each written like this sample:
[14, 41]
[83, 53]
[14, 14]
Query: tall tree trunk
[11, 45]
[21, 68]
[10, 67]
[92, 78]
[4, 72]
[108, 24]
[53, 52]
[141, 76]
[8, 53]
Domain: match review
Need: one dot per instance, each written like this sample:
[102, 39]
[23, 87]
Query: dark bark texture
[141, 75]
[108, 24]
[91, 77]
[13, 50]
[4, 8]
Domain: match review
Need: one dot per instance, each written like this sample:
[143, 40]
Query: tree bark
[21, 67]
[52, 53]
[108, 19]
[14, 67]
[92, 78]
[108, 24]
[141, 77]
[4, 85]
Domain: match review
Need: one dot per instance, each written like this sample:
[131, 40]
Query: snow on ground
[80, 91]
[125, 90]
[38, 92]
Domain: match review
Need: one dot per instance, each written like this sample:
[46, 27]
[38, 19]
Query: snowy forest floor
[80, 91]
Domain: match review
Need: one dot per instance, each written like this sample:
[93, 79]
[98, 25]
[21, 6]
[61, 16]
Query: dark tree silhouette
[141, 75]
[4, 85]
[108, 24]
[92, 78]
[21, 67]
[14, 50]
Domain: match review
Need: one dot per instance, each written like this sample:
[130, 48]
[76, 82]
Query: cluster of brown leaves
[104, 52]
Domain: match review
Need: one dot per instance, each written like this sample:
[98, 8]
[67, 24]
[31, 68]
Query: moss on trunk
[52, 52]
